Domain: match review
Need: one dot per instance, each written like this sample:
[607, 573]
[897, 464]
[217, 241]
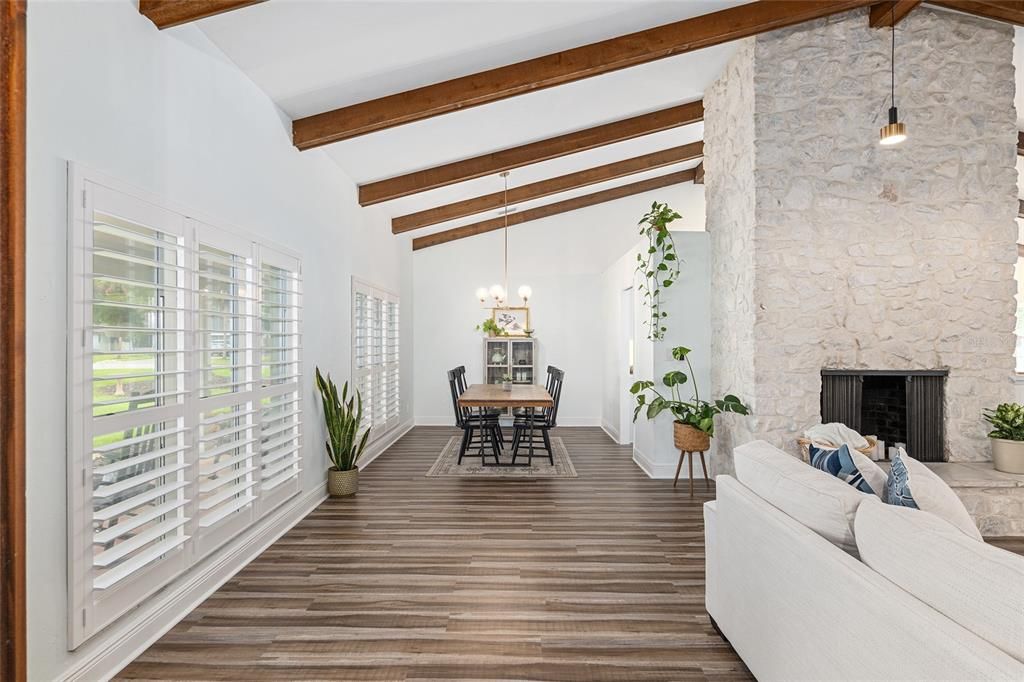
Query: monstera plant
[694, 418]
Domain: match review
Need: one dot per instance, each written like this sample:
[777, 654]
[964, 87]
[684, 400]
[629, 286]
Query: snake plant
[343, 417]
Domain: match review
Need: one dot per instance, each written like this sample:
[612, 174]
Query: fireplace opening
[895, 406]
[884, 408]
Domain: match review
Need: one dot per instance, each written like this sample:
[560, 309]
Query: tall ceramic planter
[690, 439]
[1008, 455]
[342, 483]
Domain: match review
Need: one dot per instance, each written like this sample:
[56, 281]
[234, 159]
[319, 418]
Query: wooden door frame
[13, 657]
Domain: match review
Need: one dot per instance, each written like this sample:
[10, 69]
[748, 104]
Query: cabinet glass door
[496, 358]
[521, 361]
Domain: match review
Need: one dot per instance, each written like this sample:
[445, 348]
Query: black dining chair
[477, 429]
[494, 412]
[533, 425]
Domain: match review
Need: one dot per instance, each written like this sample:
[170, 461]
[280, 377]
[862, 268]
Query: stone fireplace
[829, 250]
[896, 406]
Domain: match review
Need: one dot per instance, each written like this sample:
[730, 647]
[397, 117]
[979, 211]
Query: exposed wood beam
[168, 13]
[1010, 11]
[561, 68]
[1020, 144]
[534, 152]
[1020, 208]
[698, 178]
[887, 14]
[13, 661]
[545, 188]
[552, 209]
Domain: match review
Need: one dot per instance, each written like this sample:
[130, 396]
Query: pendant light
[895, 131]
[499, 292]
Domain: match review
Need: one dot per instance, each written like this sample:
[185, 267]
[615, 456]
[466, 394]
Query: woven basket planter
[342, 483]
[690, 439]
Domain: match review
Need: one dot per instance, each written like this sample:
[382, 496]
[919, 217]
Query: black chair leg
[547, 446]
[494, 446]
[465, 443]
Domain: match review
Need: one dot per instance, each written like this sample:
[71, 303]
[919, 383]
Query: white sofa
[796, 606]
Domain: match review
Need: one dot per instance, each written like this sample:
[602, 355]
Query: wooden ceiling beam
[527, 154]
[168, 13]
[560, 68]
[545, 188]
[698, 178]
[552, 209]
[1009, 11]
[1020, 144]
[888, 14]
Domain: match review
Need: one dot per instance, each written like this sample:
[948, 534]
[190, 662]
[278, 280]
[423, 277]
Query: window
[184, 396]
[375, 354]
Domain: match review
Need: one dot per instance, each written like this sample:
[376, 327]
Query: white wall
[168, 113]
[562, 258]
[687, 302]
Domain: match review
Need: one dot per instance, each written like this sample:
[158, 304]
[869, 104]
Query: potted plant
[1007, 436]
[694, 423]
[506, 382]
[343, 417]
[491, 328]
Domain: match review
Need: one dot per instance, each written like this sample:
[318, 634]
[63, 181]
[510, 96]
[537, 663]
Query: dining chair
[531, 426]
[477, 429]
[495, 412]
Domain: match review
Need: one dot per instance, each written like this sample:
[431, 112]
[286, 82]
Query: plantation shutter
[132, 357]
[227, 430]
[280, 391]
[375, 357]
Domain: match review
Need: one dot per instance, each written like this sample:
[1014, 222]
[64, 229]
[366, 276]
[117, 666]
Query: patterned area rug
[540, 468]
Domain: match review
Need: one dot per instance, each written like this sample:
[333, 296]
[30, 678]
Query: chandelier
[499, 292]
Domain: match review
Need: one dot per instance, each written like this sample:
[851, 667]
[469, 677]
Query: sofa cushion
[850, 466]
[979, 586]
[912, 484]
[819, 501]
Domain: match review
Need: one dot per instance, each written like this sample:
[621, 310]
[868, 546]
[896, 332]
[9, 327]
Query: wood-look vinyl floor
[600, 577]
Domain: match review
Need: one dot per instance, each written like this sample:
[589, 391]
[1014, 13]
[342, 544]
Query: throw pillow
[850, 466]
[912, 484]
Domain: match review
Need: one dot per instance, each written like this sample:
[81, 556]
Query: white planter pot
[1008, 455]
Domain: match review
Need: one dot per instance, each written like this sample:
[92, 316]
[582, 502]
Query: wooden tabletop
[492, 395]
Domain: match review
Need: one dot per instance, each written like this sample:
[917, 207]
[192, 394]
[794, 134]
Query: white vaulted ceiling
[311, 56]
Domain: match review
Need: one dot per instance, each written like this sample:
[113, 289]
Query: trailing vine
[658, 267]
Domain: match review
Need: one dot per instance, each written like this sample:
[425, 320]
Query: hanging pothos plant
[658, 265]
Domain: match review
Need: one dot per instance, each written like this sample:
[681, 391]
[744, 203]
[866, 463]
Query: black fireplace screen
[892, 405]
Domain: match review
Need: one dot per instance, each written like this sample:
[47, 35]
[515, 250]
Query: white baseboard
[374, 449]
[109, 652]
[658, 470]
[612, 432]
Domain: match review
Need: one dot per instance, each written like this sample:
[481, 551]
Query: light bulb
[525, 292]
[497, 293]
[481, 294]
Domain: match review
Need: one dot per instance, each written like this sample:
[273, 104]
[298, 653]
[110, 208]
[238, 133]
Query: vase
[690, 439]
[506, 385]
[342, 483]
[1008, 455]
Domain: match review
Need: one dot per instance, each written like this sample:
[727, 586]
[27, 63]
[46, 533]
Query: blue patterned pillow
[897, 487]
[841, 464]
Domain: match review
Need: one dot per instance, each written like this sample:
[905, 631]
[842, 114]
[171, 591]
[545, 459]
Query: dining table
[528, 397]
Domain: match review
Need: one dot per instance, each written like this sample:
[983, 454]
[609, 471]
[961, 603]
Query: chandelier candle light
[499, 292]
[896, 131]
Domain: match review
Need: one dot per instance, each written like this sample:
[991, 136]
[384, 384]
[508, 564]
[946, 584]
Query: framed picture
[513, 321]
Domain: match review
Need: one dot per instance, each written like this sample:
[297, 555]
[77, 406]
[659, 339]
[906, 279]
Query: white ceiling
[314, 55]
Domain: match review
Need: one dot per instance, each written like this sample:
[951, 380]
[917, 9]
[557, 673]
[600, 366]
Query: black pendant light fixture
[895, 131]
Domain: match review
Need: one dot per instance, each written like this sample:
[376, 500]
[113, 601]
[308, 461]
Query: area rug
[446, 464]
